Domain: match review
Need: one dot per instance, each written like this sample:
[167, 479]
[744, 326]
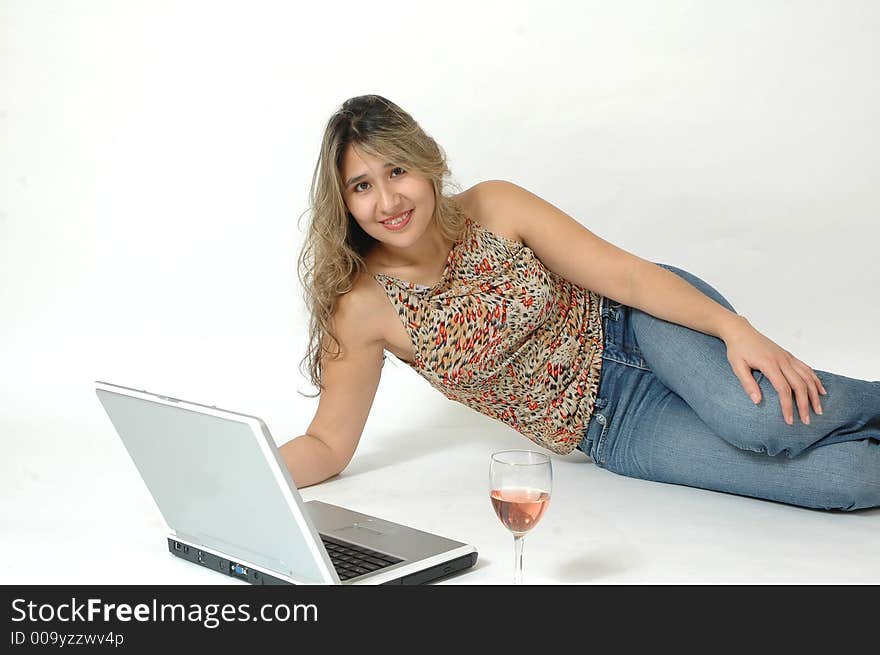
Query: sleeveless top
[507, 337]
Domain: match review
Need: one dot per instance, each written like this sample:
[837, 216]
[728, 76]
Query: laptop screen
[213, 482]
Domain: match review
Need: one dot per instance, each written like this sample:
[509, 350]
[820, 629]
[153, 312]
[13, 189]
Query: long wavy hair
[333, 253]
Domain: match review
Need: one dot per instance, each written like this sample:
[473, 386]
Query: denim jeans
[671, 409]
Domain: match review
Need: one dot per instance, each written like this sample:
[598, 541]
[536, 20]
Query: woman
[509, 306]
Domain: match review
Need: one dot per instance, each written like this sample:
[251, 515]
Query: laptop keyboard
[351, 561]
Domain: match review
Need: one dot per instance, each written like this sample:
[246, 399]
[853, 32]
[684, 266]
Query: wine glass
[520, 482]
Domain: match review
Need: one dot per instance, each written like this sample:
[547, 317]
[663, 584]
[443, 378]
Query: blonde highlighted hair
[333, 253]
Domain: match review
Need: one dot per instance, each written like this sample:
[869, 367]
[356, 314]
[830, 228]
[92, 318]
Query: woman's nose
[390, 200]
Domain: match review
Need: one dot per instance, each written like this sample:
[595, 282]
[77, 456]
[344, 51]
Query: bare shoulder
[492, 204]
[359, 312]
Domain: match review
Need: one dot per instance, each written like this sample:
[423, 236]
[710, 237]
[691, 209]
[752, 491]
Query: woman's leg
[671, 444]
[708, 433]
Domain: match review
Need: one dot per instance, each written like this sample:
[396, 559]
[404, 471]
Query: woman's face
[376, 191]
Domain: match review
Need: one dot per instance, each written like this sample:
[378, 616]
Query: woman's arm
[350, 384]
[569, 249]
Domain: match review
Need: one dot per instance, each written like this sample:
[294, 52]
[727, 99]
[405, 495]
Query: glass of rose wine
[520, 482]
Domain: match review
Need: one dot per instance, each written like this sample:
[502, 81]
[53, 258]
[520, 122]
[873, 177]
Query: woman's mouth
[397, 224]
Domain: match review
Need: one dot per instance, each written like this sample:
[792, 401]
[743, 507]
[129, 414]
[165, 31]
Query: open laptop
[231, 506]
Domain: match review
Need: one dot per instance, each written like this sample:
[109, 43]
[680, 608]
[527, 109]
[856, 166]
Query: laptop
[230, 504]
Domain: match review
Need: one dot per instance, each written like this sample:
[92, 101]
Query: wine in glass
[520, 482]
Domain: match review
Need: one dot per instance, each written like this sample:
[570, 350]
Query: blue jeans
[671, 409]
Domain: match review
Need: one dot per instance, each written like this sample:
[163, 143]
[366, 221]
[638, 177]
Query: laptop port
[177, 545]
[201, 557]
[238, 569]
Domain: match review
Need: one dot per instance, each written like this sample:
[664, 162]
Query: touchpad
[362, 528]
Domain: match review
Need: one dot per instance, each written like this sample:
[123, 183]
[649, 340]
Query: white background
[155, 159]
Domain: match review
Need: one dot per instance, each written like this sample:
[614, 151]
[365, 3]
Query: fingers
[799, 386]
[814, 385]
[810, 375]
[789, 377]
[798, 378]
[744, 373]
[777, 379]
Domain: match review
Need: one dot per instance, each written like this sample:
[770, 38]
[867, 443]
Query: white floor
[74, 511]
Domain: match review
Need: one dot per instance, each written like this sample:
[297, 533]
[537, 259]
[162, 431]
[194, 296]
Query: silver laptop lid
[217, 479]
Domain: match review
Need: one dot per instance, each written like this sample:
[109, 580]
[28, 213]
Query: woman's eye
[358, 185]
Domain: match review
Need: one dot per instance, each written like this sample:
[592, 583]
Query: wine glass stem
[518, 554]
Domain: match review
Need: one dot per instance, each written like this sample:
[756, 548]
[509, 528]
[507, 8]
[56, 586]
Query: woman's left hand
[748, 349]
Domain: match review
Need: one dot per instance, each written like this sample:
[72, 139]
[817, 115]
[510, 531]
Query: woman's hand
[748, 349]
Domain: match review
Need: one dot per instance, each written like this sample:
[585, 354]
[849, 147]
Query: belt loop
[609, 308]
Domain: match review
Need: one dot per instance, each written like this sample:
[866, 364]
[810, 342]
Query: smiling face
[376, 190]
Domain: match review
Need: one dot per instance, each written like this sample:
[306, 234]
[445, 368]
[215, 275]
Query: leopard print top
[502, 334]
